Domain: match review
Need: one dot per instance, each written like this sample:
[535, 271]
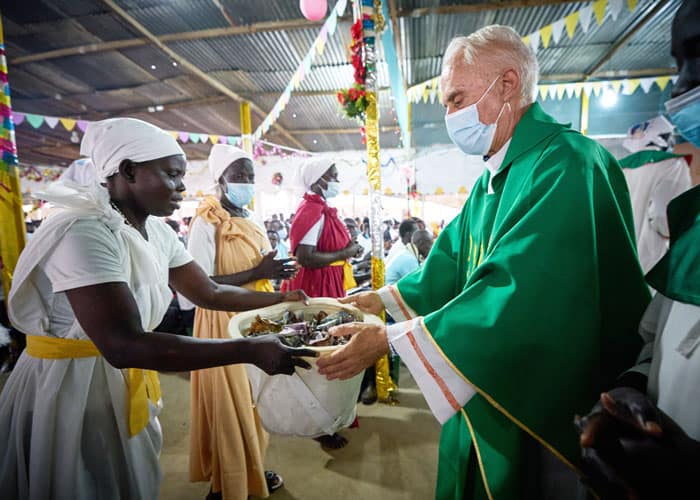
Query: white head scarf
[81, 172]
[312, 170]
[647, 133]
[109, 142]
[221, 156]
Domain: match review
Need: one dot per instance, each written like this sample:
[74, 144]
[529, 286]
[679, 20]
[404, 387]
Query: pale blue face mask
[240, 194]
[684, 112]
[466, 130]
[332, 190]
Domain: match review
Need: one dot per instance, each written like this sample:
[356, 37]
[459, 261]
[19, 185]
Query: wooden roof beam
[194, 69]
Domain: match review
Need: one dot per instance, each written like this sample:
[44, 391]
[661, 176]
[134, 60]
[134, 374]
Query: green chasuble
[641, 158]
[534, 294]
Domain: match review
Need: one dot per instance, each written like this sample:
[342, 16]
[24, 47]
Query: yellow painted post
[584, 113]
[246, 127]
[12, 228]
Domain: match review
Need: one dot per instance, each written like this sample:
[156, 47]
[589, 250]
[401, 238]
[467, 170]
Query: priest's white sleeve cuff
[395, 305]
[443, 387]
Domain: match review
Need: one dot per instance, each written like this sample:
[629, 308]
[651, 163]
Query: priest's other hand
[631, 449]
[367, 344]
[295, 296]
[268, 353]
[368, 302]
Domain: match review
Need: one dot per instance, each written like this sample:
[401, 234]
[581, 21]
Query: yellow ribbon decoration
[143, 384]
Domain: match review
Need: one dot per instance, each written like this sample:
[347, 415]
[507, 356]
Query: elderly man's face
[462, 85]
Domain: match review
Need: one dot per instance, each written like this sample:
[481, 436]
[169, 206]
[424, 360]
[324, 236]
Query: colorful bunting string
[546, 36]
[303, 69]
[70, 124]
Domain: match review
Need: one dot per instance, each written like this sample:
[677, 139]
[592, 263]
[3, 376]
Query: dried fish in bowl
[295, 332]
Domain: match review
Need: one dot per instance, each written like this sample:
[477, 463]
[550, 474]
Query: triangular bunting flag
[662, 81]
[546, 35]
[34, 120]
[561, 88]
[578, 88]
[557, 29]
[584, 18]
[17, 117]
[646, 84]
[173, 133]
[82, 125]
[183, 136]
[426, 93]
[214, 139]
[570, 23]
[587, 88]
[597, 88]
[631, 86]
[526, 40]
[543, 92]
[632, 4]
[68, 123]
[433, 95]
[616, 85]
[535, 41]
[320, 45]
[599, 10]
[232, 140]
[674, 78]
[223, 139]
[51, 121]
[308, 60]
[194, 137]
[552, 91]
[570, 89]
[615, 8]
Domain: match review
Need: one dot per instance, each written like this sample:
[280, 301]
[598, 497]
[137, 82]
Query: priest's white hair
[499, 48]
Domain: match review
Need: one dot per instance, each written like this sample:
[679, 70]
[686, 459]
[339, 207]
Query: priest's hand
[295, 296]
[367, 302]
[367, 344]
[631, 449]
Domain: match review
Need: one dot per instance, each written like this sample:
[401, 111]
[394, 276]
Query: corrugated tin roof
[259, 65]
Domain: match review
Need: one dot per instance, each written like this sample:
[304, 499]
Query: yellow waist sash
[143, 384]
[348, 277]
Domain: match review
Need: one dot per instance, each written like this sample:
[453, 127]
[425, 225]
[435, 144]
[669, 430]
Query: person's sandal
[274, 481]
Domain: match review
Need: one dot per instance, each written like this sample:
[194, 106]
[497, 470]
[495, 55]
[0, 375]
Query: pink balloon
[313, 10]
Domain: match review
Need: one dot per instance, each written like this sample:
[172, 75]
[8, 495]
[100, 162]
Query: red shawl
[325, 281]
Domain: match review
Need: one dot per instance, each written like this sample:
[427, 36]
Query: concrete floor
[392, 455]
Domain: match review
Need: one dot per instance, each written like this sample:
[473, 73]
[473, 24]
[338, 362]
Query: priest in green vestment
[527, 306]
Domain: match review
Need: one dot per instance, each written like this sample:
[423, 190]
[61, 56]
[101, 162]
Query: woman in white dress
[87, 290]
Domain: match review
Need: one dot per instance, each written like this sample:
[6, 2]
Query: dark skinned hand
[354, 250]
[295, 296]
[632, 450]
[272, 269]
[268, 353]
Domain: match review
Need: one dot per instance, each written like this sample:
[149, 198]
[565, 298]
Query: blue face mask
[332, 190]
[466, 130]
[240, 194]
[684, 112]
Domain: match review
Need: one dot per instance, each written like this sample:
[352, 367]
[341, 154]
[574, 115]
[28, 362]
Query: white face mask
[332, 190]
[466, 130]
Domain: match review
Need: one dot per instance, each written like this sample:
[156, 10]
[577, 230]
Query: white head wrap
[648, 133]
[312, 170]
[81, 172]
[109, 142]
[221, 156]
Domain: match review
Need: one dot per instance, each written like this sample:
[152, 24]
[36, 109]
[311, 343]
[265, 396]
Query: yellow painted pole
[246, 126]
[584, 113]
[12, 228]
